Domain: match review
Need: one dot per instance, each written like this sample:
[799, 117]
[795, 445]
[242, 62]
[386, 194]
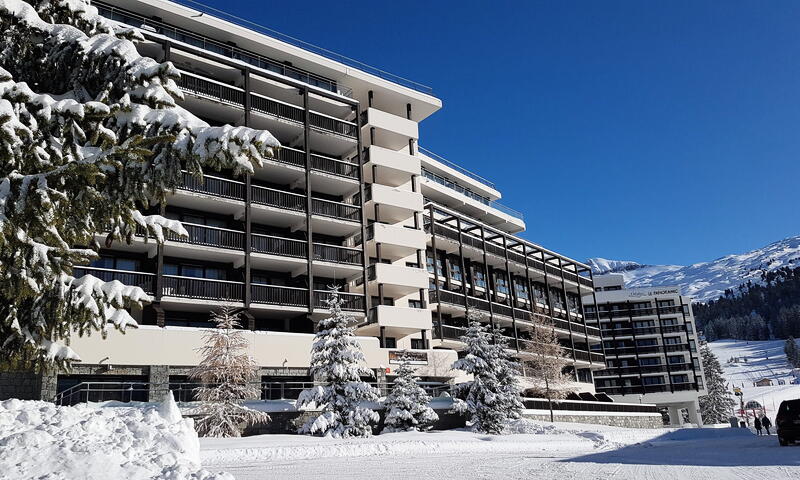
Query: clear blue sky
[661, 132]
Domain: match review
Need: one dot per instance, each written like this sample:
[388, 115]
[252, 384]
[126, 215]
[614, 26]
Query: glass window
[649, 361]
[127, 264]
[672, 340]
[171, 269]
[192, 271]
[500, 285]
[480, 281]
[455, 272]
[103, 262]
[390, 342]
[652, 380]
[417, 344]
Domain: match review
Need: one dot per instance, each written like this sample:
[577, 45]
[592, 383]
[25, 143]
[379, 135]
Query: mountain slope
[707, 280]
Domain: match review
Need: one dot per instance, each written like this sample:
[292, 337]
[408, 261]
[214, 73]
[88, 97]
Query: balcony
[397, 280]
[351, 302]
[202, 289]
[392, 131]
[145, 281]
[401, 320]
[397, 241]
[279, 295]
[266, 106]
[395, 205]
[389, 167]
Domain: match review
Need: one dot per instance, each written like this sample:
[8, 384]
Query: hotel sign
[655, 292]
[415, 358]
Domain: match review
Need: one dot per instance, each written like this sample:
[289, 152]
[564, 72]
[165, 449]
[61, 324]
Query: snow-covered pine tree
[545, 363]
[492, 398]
[717, 404]
[337, 363]
[90, 136]
[406, 405]
[227, 373]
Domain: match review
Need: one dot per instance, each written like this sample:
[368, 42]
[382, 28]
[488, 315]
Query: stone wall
[614, 420]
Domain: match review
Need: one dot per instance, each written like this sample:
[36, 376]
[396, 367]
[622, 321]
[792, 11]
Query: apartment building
[349, 200]
[650, 346]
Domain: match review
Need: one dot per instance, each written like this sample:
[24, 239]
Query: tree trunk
[549, 398]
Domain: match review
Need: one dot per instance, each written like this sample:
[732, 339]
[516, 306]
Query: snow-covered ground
[39, 440]
[764, 359]
[553, 451]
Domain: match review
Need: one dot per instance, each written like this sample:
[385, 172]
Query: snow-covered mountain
[707, 280]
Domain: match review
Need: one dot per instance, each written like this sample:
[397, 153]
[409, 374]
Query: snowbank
[41, 440]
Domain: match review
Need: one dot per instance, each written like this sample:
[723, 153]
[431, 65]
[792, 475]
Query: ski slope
[764, 359]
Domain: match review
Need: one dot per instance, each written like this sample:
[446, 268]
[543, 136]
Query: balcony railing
[202, 288]
[219, 187]
[145, 281]
[278, 198]
[334, 166]
[342, 211]
[235, 96]
[209, 236]
[279, 295]
[287, 247]
[336, 254]
[636, 312]
[206, 43]
[352, 302]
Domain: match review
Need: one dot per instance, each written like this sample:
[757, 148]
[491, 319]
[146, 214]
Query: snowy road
[563, 453]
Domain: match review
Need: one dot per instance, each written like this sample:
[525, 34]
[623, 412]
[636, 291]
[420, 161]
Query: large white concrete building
[350, 199]
[650, 346]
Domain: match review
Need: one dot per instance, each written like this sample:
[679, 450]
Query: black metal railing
[581, 406]
[279, 295]
[209, 236]
[202, 288]
[342, 211]
[336, 254]
[287, 247]
[219, 187]
[334, 166]
[278, 198]
[145, 281]
[352, 302]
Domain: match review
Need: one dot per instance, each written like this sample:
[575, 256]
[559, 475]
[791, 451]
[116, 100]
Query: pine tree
[227, 373]
[716, 405]
[406, 405]
[792, 352]
[90, 136]
[492, 397]
[545, 363]
[337, 363]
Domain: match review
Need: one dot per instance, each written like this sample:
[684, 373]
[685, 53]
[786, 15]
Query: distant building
[764, 382]
[650, 346]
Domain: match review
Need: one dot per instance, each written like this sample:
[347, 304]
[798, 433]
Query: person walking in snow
[766, 423]
[757, 424]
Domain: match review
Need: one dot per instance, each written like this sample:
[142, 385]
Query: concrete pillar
[159, 382]
[675, 415]
[694, 413]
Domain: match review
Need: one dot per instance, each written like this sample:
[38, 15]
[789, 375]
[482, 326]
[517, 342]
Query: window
[390, 342]
[195, 271]
[649, 361]
[455, 272]
[480, 280]
[669, 321]
[417, 344]
[676, 359]
[692, 346]
[672, 340]
[644, 324]
[500, 285]
[613, 288]
[386, 301]
[646, 342]
[680, 378]
[412, 264]
[415, 304]
[114, 263]
[666, 303]
[584, 375]
[699, 382]
[521, 291]
[652, 380]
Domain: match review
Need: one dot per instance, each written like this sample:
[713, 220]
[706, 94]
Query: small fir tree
[492, 398]
[716, 405]
[90, 137]
[545, 363]
[792, 352]
[406, 405]
[337, 363]
[228, 374]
